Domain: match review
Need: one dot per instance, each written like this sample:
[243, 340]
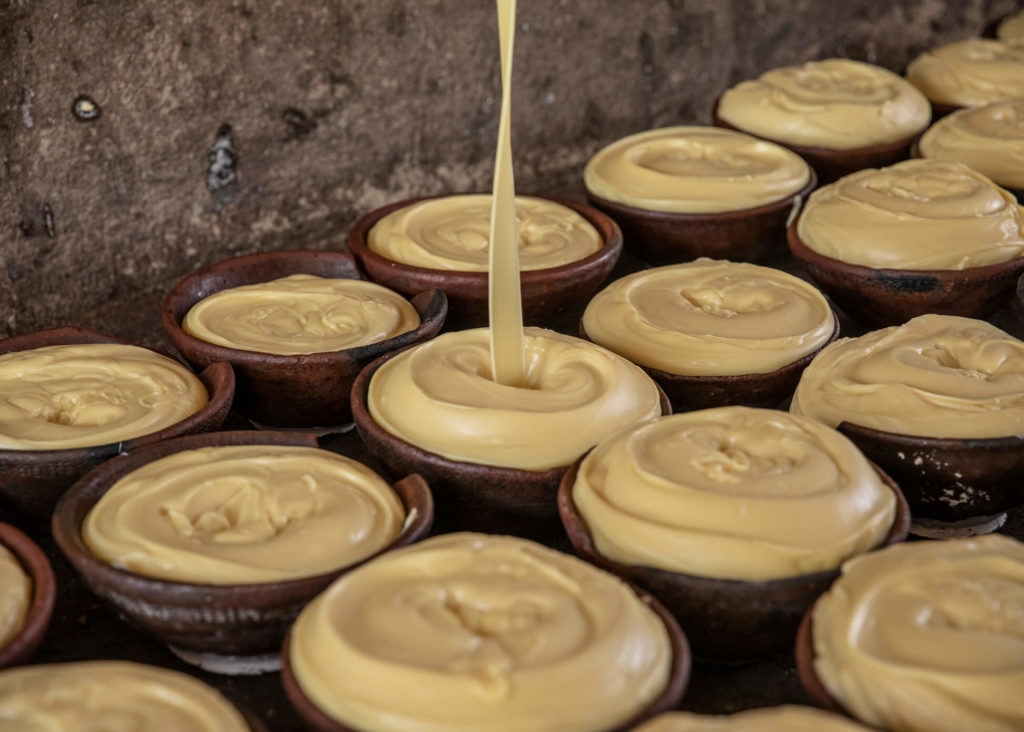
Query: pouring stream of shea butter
[508, 361]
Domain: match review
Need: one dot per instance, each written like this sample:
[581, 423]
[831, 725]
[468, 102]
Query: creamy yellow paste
[935, 376]
[918, 214]
[111, 696]
[478, 633]
[928, 637]
[835, 103]
[453, 233]
[732, 493]
[1011, 29]
[773, 719]
[15, 596]
[695, 170]
[710, 318]
[301, 314]
[244, 514]
[989, 139]
[440, 397]
[92, 394]
[970, 73]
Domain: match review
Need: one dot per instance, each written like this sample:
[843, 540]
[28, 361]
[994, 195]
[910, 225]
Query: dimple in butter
[710, 318]
[67, 396]
[301, 314]
[934, 376]
[244, 514]
[111, 696]
[480, 633]
[733, 493]
[453, 233]
[927, 636]
[576, 393]
[835, 103]
[918, 214]
[694, 170]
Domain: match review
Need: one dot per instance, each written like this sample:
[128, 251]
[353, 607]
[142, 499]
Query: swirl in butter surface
[836, 103]
[440, 397]
[695, 170]
[733, 493]
[918, 214]
[244, 514]
[774, 719]
[1011, 29]
[15, 596]
[970, 73]
[478, 633]
[934, 376]
[111, 696]
[710, 318]
[989, 139]
[453, 233]
[927, 637]
[60, 397]
[301, 314]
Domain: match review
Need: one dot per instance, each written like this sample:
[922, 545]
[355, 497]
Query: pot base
[975, 526]
[215, 663]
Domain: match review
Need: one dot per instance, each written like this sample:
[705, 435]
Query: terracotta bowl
[948, 479]
[469, 496]
[809, 678]
[546, 292]
[33, 480]
[881, 297]
[749, 235]
[726, 621]
[831, 164]
[309, 390]
[44, 595]
[244, 620]
[687, 393]
[679, 676]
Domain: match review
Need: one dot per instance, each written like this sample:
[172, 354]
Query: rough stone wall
[225, 127]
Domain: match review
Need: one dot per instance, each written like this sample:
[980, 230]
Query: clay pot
[228, 620]
[44, 595]
[749, 235]
[679, 676]
[546, 292]
[881, 297]
[809, 678]
[307, 390]
[32, 481]
[689, 393]
[726, 620]
[470, 496]
[944, 478]
[831, 164]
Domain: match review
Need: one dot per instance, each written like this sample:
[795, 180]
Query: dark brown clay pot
[750, 235]
[948, 479]
[881, 297]
[33, 480]
[679, 676]
[469, 496]
[688, 393]
[831, 164]
[809, 678]
[308, 390]
[546, 292]
[726, 621]
[44, 595]
[229, 620]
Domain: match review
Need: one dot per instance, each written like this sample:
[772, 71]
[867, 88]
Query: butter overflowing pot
[306, 390]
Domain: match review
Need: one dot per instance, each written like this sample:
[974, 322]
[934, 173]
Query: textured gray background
[338, 106]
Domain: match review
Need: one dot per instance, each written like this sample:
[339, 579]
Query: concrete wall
[326, 109]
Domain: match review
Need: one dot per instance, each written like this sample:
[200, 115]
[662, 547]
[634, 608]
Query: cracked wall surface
[142, 139]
